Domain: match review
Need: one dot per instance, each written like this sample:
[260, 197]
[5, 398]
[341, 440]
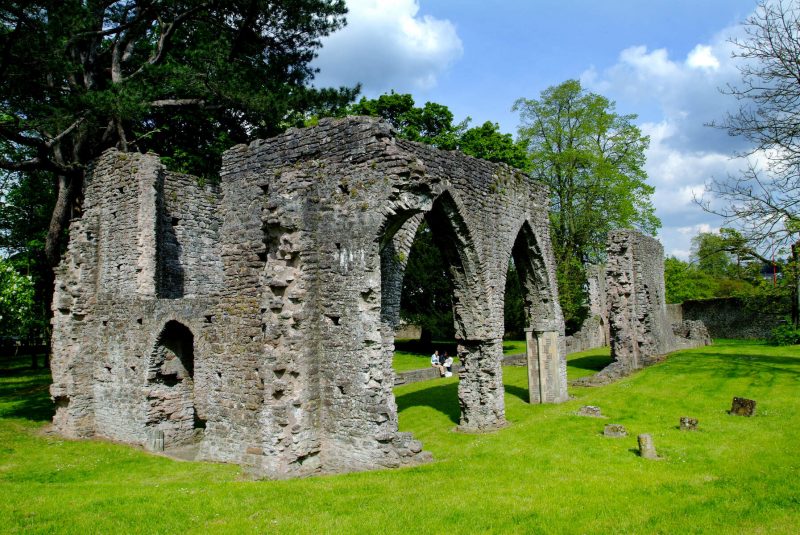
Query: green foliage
[571, 280]
[427, 298]
[431, 124]
[593, 160]
[16, 302]
[785, 335]
[514, 304]
[685, 281]
[185, 79]
[26, 202]
[488, 143]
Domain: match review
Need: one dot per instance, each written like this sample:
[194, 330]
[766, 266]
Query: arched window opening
[171, 406]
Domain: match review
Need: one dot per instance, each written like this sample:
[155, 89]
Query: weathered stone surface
[743, 407]
[647, 449]
[258, 317]
[688, 424]
[640, 328]
[594, 332]
[155, 440]
[733, 317]
[615, 431]
[591, 411]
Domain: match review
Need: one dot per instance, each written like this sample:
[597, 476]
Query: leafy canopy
[593, 161]
[186, 79]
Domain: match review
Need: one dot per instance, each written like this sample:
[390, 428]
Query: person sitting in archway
[436, 364]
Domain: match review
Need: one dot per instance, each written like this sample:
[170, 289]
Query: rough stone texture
[595, 331]
[257, 319]
[674, 313]
[688, 424]
[647, 449]
[743, 407]
[615, 431]
[591, 411]
[730, 317]
[640, 329]
[692, 330]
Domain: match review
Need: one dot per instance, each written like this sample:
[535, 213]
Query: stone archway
[170, 386]
[543, 330]
[480, 387]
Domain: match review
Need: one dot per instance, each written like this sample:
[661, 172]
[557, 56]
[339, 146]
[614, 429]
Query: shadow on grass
[732, 365]
[517, 391]
[442, 397]
[24, 394]
[591, 362]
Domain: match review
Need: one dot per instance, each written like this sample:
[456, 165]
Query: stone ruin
[595, 330]
[640, 327]
[254, 320]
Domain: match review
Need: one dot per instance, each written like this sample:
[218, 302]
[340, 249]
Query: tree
[26, 202]
[488, 143]
[684, 281]
[431, 124]
[187, 79]
[427, 298]
[764, 199]
[593, 160]
[16, 301]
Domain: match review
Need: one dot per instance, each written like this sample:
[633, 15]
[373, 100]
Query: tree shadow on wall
[442, 397]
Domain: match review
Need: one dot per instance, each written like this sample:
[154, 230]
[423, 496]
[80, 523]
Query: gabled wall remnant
[256, 319]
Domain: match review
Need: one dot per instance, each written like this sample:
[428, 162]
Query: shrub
[785, 335]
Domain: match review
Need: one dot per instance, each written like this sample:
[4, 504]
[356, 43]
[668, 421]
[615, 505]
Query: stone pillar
[543, 371]
[480, 387]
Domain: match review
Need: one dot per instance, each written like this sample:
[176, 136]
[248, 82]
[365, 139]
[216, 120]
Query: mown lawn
[408, 360]
[549, 471]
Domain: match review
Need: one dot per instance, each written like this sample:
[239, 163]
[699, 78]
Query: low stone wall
[591, 336]
[731, 317]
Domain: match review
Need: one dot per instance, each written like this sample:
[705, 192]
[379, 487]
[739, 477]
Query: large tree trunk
[67, 193]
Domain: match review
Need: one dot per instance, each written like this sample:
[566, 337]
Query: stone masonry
[255, 320]
[640, 328]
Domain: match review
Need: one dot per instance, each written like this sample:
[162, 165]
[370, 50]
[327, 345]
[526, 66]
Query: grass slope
[549, 471]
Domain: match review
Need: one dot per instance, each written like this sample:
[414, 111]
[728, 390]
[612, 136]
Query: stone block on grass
[688, 423]
[615, 431]
[743, 407]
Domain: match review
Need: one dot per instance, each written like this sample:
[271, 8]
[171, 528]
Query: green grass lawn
[407, 360]
[549, 471]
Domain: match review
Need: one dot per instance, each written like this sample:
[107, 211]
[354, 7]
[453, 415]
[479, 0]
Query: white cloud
[701, 57]
[387, 45]
[680, 96]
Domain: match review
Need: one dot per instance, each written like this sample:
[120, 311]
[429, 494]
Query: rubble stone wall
[258, 318]
[641, 329]
[731, 317]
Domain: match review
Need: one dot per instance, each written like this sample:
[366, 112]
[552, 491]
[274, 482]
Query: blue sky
[663, 60]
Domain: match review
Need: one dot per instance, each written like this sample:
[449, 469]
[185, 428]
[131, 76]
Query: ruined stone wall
[731, 317]
[107, 314]
[641, 330]
[595, 330]
[188, 260]
[285, 284]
